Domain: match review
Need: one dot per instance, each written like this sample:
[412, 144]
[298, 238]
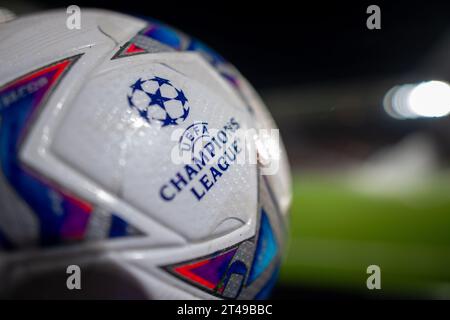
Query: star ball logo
[157, 99]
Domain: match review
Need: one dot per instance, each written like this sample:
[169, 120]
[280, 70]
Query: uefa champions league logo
[157, 99]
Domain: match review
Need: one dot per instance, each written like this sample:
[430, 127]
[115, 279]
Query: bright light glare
[430, 99]
[427, 99]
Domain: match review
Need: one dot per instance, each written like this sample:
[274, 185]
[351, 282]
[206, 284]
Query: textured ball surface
[92, 123]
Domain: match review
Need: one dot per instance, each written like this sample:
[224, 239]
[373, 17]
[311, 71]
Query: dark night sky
[275, 43]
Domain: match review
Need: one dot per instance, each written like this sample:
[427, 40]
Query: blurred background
[364, 116]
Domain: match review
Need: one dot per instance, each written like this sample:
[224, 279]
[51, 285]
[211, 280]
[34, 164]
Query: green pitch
[337, 231]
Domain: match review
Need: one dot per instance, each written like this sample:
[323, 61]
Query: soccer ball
[91, 197]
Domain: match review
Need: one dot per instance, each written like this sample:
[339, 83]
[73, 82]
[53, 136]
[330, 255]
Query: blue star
[130, 101]
[185, 113]
[181, 97]
[161, 81]
[137, 85]
[144, 114]
[157, 99]
[168, 121]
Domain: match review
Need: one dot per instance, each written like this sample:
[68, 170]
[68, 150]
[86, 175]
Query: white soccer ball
[91, 123]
